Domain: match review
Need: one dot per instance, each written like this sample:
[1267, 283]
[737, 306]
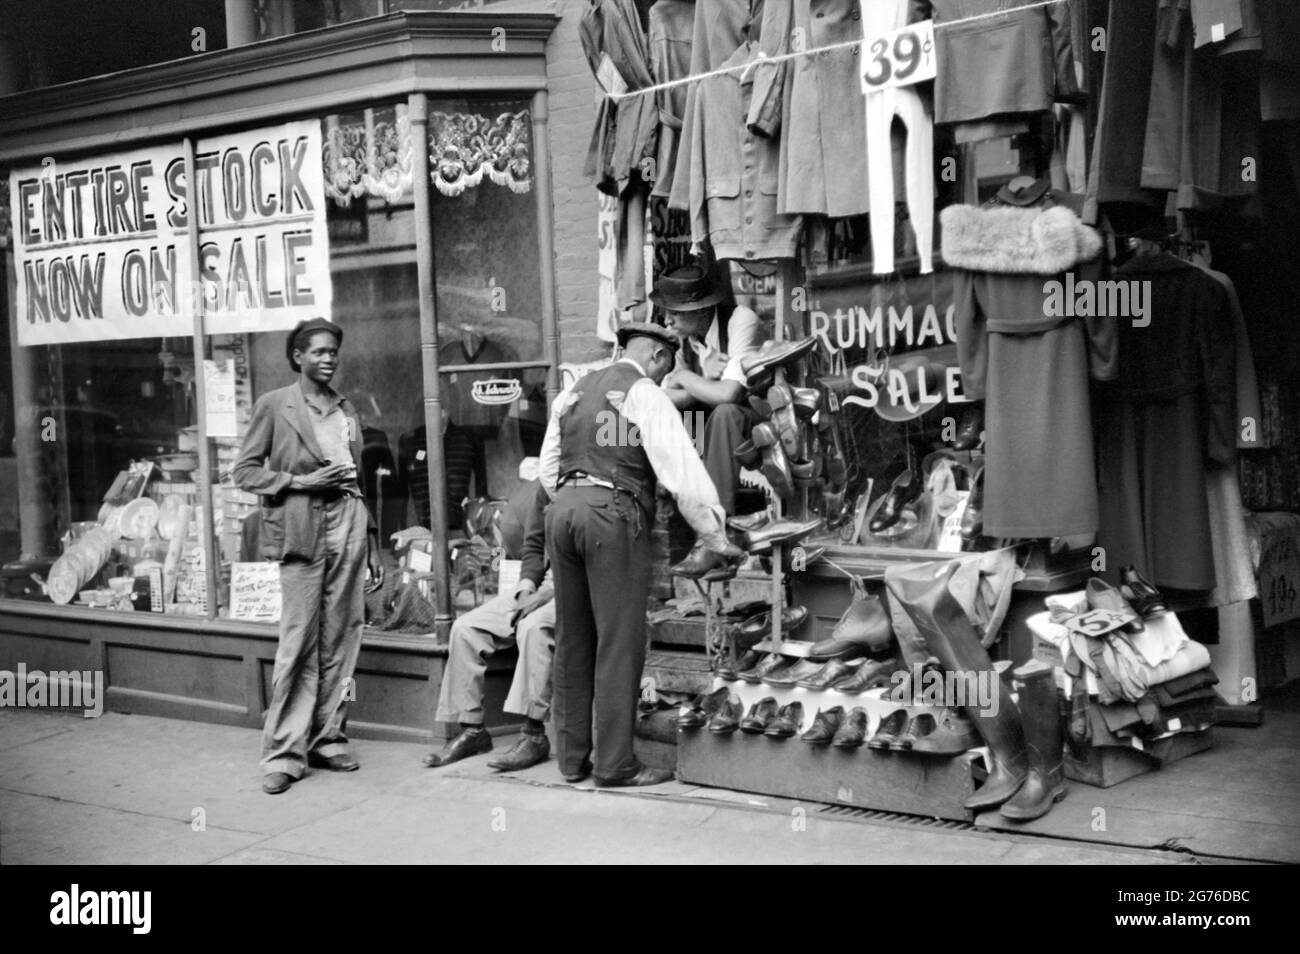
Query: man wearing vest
[611, 437]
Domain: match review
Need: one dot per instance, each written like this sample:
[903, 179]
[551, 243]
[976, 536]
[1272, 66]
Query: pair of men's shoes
[531, 748]
[851, 676]
[767, 718]
[702, 709]
[273, 783]
[949, 733]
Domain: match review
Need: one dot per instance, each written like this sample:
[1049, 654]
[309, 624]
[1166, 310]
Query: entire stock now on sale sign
[102, 245]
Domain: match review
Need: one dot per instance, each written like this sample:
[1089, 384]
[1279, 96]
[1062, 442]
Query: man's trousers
[321, 616]
[486, 630]
[599, 545]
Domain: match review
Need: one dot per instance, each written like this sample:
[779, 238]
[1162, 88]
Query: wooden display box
[1109, 765]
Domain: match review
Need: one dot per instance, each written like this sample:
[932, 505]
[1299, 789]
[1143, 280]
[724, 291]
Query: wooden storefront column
[546, 241]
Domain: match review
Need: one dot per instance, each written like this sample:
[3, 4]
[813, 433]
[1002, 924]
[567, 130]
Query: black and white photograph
[650, 433]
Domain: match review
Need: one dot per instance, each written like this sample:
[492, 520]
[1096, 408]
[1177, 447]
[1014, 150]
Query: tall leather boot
[953, 639]
[1046, 783]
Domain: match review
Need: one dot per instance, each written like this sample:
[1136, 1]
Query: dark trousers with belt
[727, 427]
[599, 545]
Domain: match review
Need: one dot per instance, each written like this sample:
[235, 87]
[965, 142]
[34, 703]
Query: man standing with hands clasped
[611, 437]
[302, 455]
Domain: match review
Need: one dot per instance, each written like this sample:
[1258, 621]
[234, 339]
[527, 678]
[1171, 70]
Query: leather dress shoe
[1101, 595]
[273, 783]
[701, 562]
[755, 675]
[794, 559]
[889, 729]
[785, 532]
[951, 734]
[763, 435]
[759, 625]
[1145, 598]
[969, 430]
[731, 666]
[760, 716]
[750, 521]
[852, 730]
[789, 677]
[788, 722]
[784, 421]
[864, 627]
[343, 762]
[645, 776]
[872, 674]
[917, 725]
[727, 719]
[826, 674]
[702, 709]
[776, 470]
[531, 748]
[747, 454]
[806, 402]
[972, 518]
[774, 354]
[467, 742]
[824, 726]
[585, 769]
[760, 406]
[905, 489]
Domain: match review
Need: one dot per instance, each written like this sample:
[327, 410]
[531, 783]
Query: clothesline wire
[847, 44]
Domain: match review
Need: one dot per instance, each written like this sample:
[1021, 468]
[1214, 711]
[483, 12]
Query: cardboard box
[1105, 766]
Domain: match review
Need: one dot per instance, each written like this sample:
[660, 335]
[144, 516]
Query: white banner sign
[102, 252]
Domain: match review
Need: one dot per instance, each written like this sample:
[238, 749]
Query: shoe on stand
[889, 729]
[727, 719]
[852, 731]
[952, 734]
[787, 723]
[905, 490]
[825, 724]
[873, 674]
[754, 675]
[972, 518]
[864, 628]
[702, 709]
[828, 673]
[760, 716]
[970, 431]
[732, 667]
[1145, 598]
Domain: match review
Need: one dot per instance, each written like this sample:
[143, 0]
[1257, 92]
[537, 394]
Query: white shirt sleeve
[744, 336]
[675, 460]
[548, 464]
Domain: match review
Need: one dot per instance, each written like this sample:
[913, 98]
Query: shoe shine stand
[883, 780]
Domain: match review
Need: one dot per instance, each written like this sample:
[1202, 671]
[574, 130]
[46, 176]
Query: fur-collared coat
[1030, 364]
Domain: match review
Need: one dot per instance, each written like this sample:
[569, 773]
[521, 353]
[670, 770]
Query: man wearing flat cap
[612, 436]
[302, 456]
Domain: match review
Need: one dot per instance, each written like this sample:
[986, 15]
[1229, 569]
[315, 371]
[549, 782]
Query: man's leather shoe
[774, 354]
[972, 518]
[750, 521]
[872, 674]
[702, 709]
[852, 730]
[747, 454]
[585, 769]
[889, 729]
[788, 677]
[760, 406]
[343, 762]
[273, 783]
[826, 674]
[727, 719]
[776, 469]
[754, 675]
[794, 559]
[952, 734]
[531, 748]
[1145, 598]
[732, 667]
[824, 726]
[783, 418]
[646, 776]
[806, 402]
[468, 742]
[970, 429]
[905, 489]
[1102, 596]
[917, 726]
[761, 714]
[759, 625]
[788, 722]
[764, 435]
[704, 564]
[865, 627]
[785, 532]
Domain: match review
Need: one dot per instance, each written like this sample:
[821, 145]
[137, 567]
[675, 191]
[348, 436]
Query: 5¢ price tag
[1099, 622]
[900, 58]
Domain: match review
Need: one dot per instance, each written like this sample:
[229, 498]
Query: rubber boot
[1046, 783]
[951, 637]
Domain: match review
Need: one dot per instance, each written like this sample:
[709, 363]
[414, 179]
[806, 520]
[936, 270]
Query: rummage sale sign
[102, 245]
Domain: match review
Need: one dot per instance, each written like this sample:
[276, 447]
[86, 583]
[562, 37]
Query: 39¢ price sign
[900, 58]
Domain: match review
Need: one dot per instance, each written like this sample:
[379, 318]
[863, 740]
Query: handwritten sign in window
[255, 592]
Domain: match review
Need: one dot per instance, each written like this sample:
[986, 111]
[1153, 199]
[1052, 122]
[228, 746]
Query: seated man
[525, 617]
[706, 376]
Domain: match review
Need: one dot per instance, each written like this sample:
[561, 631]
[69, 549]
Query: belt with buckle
[585, 480]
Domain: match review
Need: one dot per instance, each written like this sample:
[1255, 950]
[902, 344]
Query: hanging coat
[1170, 416]
[1030, 364]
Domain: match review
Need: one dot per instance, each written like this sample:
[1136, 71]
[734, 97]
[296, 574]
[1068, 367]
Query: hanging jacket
[671, 25]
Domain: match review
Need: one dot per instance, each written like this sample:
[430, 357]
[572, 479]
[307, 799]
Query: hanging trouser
[882, 106]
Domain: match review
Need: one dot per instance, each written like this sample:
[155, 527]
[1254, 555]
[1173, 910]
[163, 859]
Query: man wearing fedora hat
[612, 436]
[706, 377]
[302, 456]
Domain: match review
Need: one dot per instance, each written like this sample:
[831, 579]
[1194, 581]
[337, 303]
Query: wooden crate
[1109, 765]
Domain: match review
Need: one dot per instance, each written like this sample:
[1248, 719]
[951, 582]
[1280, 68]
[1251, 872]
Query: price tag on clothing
[900, 58]
[1099, 622]
[609, 78]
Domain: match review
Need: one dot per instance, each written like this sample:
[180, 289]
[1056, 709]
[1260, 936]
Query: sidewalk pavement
[126, 789]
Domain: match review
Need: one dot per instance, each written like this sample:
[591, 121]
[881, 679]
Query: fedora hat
[646, 329]
[688, 288]
[925, 383]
